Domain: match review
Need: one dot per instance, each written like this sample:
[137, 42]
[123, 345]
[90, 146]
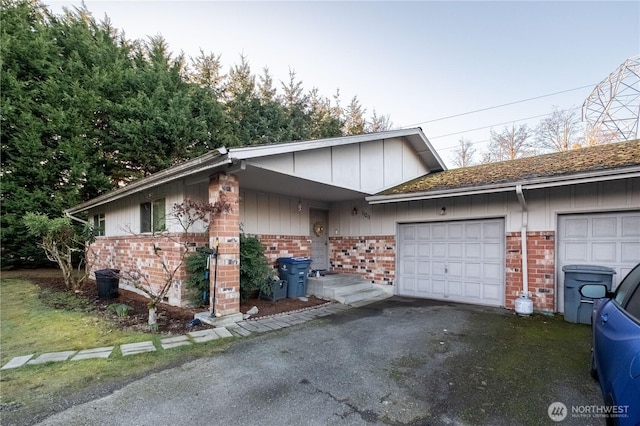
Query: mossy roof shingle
[578, 161]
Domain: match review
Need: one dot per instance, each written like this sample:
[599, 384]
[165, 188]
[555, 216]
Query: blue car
[615, 352]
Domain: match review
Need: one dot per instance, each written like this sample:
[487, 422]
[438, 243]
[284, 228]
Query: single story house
[384, 206]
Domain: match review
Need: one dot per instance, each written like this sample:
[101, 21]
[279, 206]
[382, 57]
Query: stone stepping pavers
[52, 357]
[174, 342]
[240, 329]
[208, 335]
[16, 362]
[104, 352]
[137, 348]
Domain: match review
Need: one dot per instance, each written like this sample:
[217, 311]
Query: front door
[319, 239]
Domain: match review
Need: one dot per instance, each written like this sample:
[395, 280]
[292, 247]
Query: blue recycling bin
[294, 271]
[577, 308]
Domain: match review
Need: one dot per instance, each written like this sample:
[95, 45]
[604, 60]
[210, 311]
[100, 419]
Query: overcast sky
[415, 61]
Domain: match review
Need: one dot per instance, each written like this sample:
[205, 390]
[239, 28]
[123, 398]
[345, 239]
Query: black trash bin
[278, 290]
[294, 270]
[577, 308]
[107, 281]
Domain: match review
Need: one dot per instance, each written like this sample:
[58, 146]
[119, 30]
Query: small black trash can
[278, 291]
[107, 281]
[577, 308]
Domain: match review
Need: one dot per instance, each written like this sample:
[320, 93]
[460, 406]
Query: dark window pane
[145, 217]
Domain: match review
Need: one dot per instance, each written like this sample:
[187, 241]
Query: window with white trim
[99, 225]
[153, 216]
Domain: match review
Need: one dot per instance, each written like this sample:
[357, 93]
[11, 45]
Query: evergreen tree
[83, 110]
[355, 122]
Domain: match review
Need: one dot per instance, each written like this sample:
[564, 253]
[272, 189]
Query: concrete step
[347, 298]
[343, 288]
[331, 286]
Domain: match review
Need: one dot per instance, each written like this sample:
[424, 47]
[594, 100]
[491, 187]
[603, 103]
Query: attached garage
[489, 233]
[604, 239]
[460, 261]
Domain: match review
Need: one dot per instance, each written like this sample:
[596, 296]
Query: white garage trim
[456, 261]
[604, 239]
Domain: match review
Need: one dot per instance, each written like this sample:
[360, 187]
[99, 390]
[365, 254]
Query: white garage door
[603, 239]
[454, 261]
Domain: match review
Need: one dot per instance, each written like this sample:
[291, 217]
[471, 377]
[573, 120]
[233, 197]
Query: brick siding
[540, 268]
[371, 257]
[135, 254]
[276, 246]
[226, 227]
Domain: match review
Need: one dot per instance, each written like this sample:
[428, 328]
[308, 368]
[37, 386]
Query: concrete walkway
[240, 329]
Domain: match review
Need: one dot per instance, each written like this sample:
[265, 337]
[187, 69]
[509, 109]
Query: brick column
[226, 227]
[540, 265]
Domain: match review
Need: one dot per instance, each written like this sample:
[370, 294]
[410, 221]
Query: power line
[497, 124]
[496, 106]
[493, 125]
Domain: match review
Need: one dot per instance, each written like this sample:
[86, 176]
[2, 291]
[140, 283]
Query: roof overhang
[211, 161]
[529, 184]
[238, 161]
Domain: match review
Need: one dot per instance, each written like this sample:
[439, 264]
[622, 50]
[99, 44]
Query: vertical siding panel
[274, 214]
[372, 166]
[250, 220]
[262, 208]
[633, 193]
[392, 162]
[286, 210]
[345, 167]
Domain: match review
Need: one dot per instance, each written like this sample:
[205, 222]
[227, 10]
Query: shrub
[198, 277]
[255, 271]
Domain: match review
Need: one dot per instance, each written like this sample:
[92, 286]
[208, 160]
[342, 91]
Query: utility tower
[613, 107]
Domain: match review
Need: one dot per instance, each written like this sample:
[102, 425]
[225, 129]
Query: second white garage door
[455, 261]
[602, 239]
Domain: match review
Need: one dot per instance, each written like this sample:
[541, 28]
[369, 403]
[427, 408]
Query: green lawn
[29, 325]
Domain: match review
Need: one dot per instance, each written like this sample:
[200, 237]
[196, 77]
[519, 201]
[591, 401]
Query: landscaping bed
[171, 319]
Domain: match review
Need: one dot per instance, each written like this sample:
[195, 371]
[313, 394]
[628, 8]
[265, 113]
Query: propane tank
[524, 305]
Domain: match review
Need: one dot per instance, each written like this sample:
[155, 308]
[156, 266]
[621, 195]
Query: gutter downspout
[523, 238]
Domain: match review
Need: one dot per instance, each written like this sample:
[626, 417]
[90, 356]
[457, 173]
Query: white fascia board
[540, 183]
[205, 162]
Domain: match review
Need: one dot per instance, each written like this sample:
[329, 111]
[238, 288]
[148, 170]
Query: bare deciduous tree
[463, 155]
[596, 136]
[510, 144]
[558, 132]
[171, 250]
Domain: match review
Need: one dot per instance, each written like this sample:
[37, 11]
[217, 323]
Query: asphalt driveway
[395, 362]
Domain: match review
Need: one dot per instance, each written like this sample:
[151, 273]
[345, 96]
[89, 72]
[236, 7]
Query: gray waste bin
[577, 308]
[278, 290]
[294, 270]
[107, 281]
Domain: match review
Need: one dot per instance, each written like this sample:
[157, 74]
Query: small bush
[119, 309]
[255, 272]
